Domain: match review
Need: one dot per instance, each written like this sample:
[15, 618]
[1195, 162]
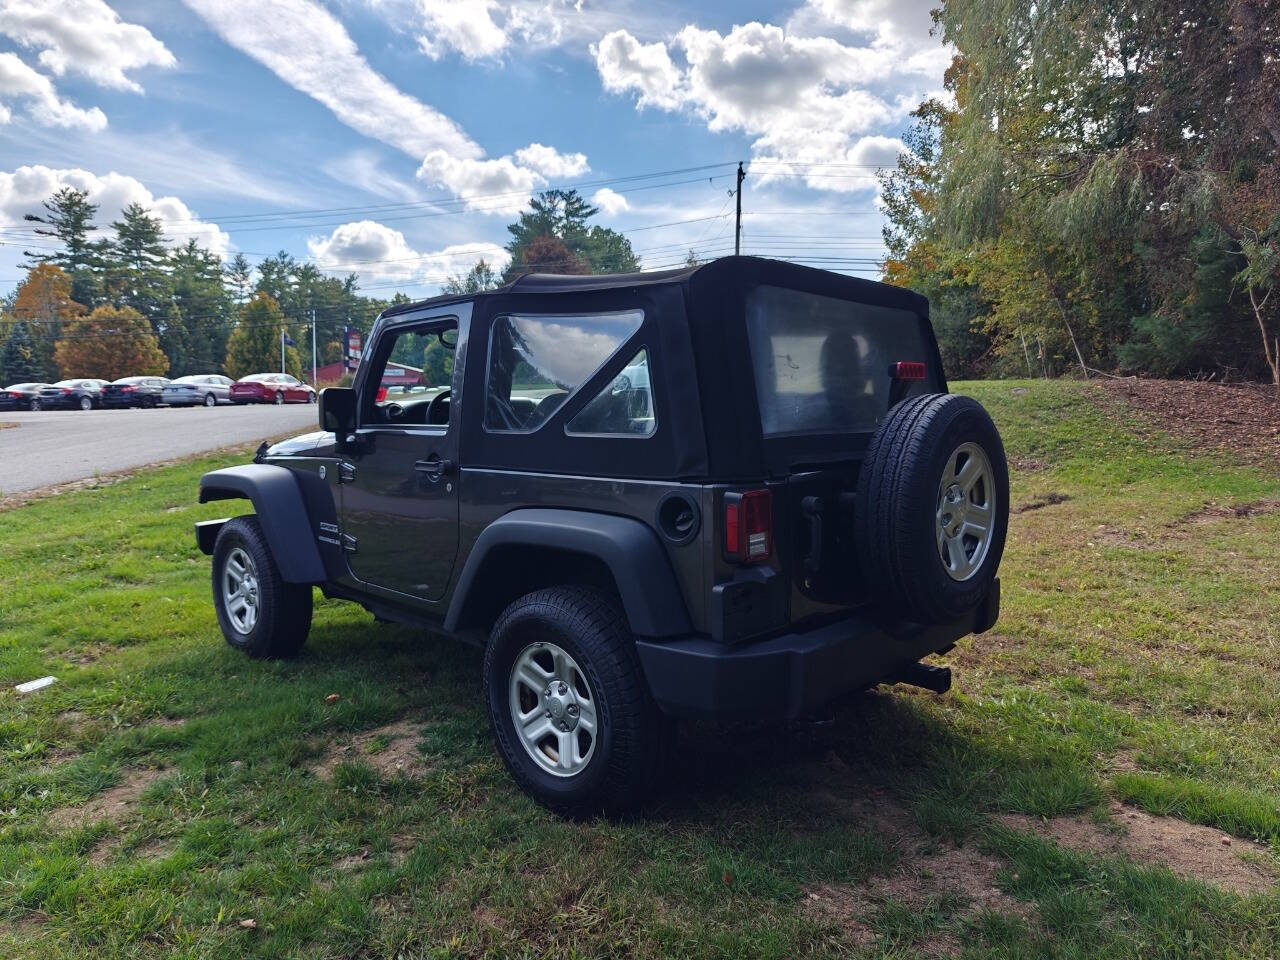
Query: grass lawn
[169, 797]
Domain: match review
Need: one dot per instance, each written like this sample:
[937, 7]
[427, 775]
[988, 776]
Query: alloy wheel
[240, 590]
[966, 511]
[553, 709]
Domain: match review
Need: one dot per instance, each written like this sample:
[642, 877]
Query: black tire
[210, 400]
[85, 403]
[632, 733]
[283, 609]
[279, 398]
[34, 405]
[896, 522]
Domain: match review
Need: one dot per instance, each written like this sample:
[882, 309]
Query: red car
[271, 388]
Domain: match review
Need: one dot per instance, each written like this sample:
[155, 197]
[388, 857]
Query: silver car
[208, 389]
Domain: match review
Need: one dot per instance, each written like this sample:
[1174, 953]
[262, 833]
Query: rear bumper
[798, 673]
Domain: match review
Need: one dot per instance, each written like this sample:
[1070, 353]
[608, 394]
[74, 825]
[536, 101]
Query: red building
[396, 374]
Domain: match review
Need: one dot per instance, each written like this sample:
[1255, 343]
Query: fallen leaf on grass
[333, 698]
[249, 924]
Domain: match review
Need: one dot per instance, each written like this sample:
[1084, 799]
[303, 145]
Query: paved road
[55, 446]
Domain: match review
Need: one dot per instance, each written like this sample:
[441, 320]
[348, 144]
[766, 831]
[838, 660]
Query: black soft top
[727, 274]
[708, 421]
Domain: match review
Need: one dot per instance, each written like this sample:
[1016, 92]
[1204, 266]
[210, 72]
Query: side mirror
[338, 411]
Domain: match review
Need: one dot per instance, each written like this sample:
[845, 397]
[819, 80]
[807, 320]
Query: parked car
[207, 389]
[796, 509]
[134, 392]
[72, 394]
[271, 388]
[21, 396]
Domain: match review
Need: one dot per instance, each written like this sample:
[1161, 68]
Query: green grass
[1135, 658]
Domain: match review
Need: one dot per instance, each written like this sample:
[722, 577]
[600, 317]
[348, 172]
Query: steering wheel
[436, 404]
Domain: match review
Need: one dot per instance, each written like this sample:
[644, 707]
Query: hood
[298, 446]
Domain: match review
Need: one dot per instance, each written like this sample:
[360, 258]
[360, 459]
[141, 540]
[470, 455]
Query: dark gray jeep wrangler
[732, 491]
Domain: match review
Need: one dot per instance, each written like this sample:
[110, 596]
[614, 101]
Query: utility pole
[737, 229]
[282, 349]
[314, 368]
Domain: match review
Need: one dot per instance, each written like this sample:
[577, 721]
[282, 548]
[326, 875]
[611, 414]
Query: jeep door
[398, 477]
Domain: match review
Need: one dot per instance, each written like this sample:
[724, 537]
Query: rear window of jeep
[821, 364]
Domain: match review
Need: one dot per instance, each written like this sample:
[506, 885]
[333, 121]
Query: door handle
[435, 468]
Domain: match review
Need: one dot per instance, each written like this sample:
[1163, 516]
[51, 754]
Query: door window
[536, 362]
[410, 386]
[624, 408]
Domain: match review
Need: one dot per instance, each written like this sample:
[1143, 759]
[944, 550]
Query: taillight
[126, 389]
[67, 390]
[748, 526]
[907, 370]
[382, 395]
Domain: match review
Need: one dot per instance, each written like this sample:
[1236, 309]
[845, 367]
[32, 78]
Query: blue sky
[397, 138]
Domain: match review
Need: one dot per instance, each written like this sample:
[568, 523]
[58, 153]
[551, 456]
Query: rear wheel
[932, 508]
[35, 405]
[86, 403]
[279, 398]
[210, 400]
[260, 614]
[568, 705]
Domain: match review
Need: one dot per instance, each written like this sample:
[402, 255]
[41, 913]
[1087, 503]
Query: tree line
[1101, 191]
[123, 300]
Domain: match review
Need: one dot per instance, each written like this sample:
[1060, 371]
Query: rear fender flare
[282, 513]
[647, 586]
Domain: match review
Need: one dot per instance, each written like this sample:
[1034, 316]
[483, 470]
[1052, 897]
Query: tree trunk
[1270, 349]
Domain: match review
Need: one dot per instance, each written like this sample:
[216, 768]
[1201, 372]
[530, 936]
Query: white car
[204, 389]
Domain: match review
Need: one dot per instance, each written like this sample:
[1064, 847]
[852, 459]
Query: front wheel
[568, 704]
[210, 400]
[260, 614]
[279, 398]
[86, 403]
[35, 405]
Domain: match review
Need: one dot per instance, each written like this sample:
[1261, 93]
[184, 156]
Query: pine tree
[480, 277]
[254, 345]
[136, 266]
[69, 220]
[562, 215]
[206, 310]
[239, 278]
[19, 362]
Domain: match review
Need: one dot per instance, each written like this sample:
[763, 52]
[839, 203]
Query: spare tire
[932, 508]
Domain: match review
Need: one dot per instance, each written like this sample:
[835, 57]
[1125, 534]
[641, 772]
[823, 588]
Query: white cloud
[492, 186]
[806, 99]
[25, 189]
[463, 25]
[85, 37]
[550, 162]
[380, 254]
[18, 82]
[306, 46]
[627, 64]
[610, 201]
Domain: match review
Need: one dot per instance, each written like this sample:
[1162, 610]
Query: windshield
[822, 364]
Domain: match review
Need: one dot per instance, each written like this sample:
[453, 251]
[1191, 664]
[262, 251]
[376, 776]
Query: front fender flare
[282, 513]
[631, 550]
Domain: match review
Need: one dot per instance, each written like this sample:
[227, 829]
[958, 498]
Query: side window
[536, 362]
[411, 385]
[623, 408]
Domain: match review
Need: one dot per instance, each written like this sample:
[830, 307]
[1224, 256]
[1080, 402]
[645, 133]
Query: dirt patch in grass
[388, 750]
[1213, 511]
[1240, 419]
[1105, 535]
[1187, 849]
[1039, 503]
[1027, 464]
[112, 804]
[928, 872]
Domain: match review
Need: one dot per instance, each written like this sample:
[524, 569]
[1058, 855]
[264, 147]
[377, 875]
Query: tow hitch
[937, 679]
